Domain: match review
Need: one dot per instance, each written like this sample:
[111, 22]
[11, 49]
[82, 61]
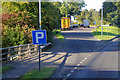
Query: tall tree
[94, 16]
[108, 7]
[72, 8]
[112, 12]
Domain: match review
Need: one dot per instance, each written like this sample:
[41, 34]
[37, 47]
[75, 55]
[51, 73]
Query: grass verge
[58, 34]
[108, 33]
[45, 73]
[5, 69]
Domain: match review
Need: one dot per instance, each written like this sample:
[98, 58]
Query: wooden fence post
[35, 48]
[19, 52]
[28, 50]
[8, 55]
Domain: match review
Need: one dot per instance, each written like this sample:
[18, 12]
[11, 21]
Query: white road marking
[68, 75]
[78, 64]
[64, 79]
[72, 71]
[85, 58]
[75, 68]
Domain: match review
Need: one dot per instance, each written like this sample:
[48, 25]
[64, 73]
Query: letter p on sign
[39, 37]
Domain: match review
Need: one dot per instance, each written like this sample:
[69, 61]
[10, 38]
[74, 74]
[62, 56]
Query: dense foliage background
[112, 12]
[20, 18]
[92, 15]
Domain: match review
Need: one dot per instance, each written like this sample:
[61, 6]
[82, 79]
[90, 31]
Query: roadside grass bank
[45, 73]
[58, 34]
[4, 69]
[108, 33]
[92, 25]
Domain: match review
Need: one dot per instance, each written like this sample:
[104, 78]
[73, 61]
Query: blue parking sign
[39, 37]
[94, 22]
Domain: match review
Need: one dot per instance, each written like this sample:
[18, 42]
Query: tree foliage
[112, 12]
[72, 8]
[50, 17]
[91, 15]
[20, 18]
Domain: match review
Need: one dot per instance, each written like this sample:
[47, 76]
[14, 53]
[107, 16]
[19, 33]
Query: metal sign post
[39, 37]
[39, 55]
[95, 23]
[107, 30]
[106, 26]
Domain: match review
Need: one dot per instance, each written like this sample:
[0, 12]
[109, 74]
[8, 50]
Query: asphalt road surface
[103, 64]
[83, 61]
[78, 56]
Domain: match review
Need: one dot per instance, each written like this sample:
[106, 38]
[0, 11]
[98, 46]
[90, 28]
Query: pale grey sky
[93, 4]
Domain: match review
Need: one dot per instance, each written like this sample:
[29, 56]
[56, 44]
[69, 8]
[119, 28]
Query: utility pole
[67, 8]
[102, 20]
[40, 14]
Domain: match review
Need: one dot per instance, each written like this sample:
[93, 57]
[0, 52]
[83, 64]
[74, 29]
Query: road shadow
[74, 43]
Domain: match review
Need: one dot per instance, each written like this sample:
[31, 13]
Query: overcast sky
[94, 4]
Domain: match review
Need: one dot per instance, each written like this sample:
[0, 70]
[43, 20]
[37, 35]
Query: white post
[40, 14]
